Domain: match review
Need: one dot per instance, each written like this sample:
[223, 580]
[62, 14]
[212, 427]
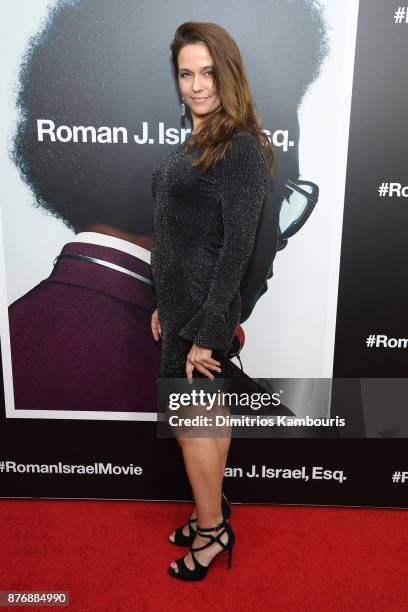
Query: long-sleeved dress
[204, 228]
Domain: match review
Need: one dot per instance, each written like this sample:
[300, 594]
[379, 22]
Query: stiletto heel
[186, 540]
[200, 571]
[229, 557]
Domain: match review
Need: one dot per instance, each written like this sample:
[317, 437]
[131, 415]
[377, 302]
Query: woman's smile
[200, 100]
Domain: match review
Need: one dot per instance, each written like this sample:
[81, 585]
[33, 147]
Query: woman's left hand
[200, 359]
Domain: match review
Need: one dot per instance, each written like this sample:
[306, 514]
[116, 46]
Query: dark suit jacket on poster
[81, 339]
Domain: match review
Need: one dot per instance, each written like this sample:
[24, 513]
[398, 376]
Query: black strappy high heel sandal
[186, 540]
[200, 571]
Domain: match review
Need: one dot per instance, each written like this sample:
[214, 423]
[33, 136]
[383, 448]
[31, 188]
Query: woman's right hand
[155, 325]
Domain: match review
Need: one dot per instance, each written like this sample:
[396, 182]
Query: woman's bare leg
[204, 464]
[223, 445]
[223, 448]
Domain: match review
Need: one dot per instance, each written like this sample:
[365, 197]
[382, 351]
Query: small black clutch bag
[239, 382]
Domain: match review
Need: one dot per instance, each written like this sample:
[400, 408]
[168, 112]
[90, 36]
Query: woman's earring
[182, 108]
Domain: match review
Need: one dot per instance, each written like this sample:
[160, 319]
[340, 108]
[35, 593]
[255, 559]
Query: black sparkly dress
[204, 228]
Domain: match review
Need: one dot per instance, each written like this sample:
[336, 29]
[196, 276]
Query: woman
[208, 195]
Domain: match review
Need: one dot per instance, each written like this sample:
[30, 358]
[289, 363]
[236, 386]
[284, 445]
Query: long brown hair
[238, 109]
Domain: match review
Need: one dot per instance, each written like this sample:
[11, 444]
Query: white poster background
[291, 332]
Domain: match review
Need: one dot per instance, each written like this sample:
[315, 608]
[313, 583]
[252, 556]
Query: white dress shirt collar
[115, 243]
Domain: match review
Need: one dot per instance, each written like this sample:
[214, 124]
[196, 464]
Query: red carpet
[113, 556]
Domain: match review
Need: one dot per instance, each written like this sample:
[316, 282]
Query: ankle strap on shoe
[216, 528]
